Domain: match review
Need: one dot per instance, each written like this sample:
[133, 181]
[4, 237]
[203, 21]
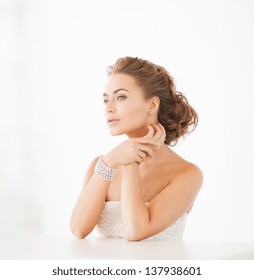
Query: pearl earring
[150, 113]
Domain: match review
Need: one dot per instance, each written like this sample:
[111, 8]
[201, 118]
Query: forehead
[119, 80]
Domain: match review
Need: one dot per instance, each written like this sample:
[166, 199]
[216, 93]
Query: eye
[105, 101]
[121, 97]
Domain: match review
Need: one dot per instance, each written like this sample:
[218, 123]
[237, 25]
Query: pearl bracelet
[104, 171]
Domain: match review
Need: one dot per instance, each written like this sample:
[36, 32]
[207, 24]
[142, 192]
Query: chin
[116, 132]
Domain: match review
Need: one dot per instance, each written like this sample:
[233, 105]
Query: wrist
[132, 165]
[109, 161]
[104, 171]
[131, 169]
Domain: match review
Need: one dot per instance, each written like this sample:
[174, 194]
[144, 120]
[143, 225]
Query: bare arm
[135, 214]
[89, 204]
[92, 197]
[140, 220]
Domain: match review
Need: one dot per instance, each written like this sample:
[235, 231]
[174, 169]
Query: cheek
[132, 119]
[137, 116]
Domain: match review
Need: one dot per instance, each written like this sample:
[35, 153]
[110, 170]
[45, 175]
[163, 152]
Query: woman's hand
[129, 151]
[157, 133]
[136, 149]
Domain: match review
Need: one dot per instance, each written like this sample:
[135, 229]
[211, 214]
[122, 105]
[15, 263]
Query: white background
[53, 55]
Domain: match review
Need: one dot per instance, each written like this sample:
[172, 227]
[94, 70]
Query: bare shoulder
[189, 172]
[179, 168]
[179, 195]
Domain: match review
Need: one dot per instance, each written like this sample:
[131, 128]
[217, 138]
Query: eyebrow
[116, 91]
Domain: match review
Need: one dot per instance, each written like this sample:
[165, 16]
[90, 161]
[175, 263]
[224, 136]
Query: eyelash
[122, 97]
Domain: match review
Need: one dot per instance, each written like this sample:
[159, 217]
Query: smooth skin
[155, 185]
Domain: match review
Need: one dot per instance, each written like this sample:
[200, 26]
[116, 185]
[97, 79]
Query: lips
[110, 121]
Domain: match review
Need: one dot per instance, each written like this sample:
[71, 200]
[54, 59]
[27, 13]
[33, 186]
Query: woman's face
[127, 110]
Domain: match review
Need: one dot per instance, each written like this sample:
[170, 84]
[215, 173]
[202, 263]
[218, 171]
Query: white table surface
[62, 247]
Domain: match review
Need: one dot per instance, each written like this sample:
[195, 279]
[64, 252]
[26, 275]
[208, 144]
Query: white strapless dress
[110, 224]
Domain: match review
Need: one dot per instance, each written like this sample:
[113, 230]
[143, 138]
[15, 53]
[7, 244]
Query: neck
[159, 156]
[141, 132]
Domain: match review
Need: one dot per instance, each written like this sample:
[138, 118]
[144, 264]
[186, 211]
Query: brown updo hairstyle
[175, 113]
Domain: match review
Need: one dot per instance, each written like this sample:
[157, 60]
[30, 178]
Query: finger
[147, 141]
[162, 127]
[163, 137]
[139, 160]
[158, 132]
[140, 157]
[150, 132]
[141, 154]
[145, 149]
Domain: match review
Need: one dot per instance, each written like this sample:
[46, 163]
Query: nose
[110, 108]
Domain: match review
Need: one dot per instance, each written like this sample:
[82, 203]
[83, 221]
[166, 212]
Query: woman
[141, 188]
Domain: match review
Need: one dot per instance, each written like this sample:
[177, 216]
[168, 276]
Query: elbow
[79, 235]
[133, 235]
[77, 232]
[132, 238]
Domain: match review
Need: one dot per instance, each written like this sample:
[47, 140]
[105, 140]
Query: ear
[154, 104]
